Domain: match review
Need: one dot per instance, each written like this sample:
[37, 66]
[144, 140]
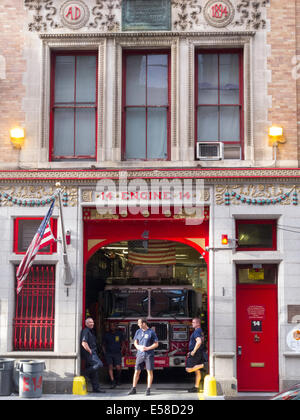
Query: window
[219, 100]
[256, 235]
[256, 274]
[24, 231]
[73, 106]
[146, 111]
[34, 316]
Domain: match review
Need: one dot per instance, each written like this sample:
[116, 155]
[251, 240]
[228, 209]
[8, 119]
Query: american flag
[42, 238]
[156, 252]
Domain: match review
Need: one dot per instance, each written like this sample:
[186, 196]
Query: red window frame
[271, 222]
[34, 319]
[75, 105]
[53, 226]
[241, 95]
[124, 106]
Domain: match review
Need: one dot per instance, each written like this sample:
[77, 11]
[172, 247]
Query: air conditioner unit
[210, 150]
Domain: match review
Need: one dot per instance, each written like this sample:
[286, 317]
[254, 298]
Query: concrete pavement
[159, 392]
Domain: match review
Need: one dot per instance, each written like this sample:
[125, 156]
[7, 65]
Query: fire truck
[169, 310]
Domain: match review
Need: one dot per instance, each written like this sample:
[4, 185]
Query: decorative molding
[105, 15]
[36, 196]
[256, 194]
[187, 15]
[93, 175]
[49, 15]
[251, 14]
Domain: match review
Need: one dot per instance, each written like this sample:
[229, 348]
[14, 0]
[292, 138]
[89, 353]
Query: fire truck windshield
[126, 303]
[154, 303]
[169, 303]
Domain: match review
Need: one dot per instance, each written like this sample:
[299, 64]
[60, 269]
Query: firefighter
[113, 341]
[89, 347]
[196, 357]
[145, 341]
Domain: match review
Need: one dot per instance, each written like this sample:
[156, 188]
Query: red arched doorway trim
[99, 233]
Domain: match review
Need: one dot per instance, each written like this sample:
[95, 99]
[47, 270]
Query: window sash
[219, 99]
[146, 106]
[74, 106]
[24, 231]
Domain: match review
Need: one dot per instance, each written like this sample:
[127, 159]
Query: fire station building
[171, 127]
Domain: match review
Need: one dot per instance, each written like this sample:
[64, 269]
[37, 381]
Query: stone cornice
[159, 34]
[92, 175]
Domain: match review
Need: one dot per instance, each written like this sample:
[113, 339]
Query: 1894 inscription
[145, 15]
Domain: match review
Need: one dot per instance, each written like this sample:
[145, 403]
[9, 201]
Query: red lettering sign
[218, 10]
[25, 384]
[73, 13]
[37, 385]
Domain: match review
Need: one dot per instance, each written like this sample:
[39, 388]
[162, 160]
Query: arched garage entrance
[155, 268]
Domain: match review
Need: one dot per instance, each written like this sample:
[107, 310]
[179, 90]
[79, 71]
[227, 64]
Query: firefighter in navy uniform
[196, 357]
[93, 363]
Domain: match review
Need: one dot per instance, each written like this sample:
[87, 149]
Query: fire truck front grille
[161, 330]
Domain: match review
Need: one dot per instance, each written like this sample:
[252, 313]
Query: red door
[257, 329]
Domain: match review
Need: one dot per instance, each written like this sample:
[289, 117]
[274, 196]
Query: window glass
[169, 303]
[207, 78]
[136, 133]
[64, 78]
[136, 80]
[74, 108]
[157, 80]
[257, 274]
[218, 101]
[157, 133]
[229, 79]
[252, 235]
[86, 79]
[208, 123]
[146, 107]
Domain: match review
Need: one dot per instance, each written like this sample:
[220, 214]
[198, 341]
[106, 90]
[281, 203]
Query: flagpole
[66, 273]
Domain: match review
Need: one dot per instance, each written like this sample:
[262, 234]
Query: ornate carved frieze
[35, 195]
[52, 14]
[266, 194]
[251, 14]
[106, 15]
[187, 14]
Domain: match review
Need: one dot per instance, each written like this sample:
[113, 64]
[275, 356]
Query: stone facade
[269, 36]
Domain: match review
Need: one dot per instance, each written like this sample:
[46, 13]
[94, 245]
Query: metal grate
[34, 316]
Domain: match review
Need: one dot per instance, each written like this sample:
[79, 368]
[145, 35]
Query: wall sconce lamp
[276, 135]
[224, 240]
[17, 137]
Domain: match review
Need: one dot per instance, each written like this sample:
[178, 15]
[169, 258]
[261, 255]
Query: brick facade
[12, 87]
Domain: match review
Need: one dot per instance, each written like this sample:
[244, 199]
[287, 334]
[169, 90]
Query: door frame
[253, 286]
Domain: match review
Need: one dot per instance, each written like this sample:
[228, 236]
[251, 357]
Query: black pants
[93, 364]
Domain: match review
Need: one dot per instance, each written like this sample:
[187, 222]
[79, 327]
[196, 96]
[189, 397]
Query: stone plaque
[146, 15]
[74, 14]
[219, 13]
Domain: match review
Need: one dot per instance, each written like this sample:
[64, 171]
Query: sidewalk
[159, 392]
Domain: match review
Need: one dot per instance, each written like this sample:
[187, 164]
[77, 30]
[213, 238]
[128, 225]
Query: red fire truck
[168, 308]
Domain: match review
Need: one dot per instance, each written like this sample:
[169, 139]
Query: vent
[210, 151]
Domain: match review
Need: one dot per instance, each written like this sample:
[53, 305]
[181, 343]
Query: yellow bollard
[210, 386]
[79, 385]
